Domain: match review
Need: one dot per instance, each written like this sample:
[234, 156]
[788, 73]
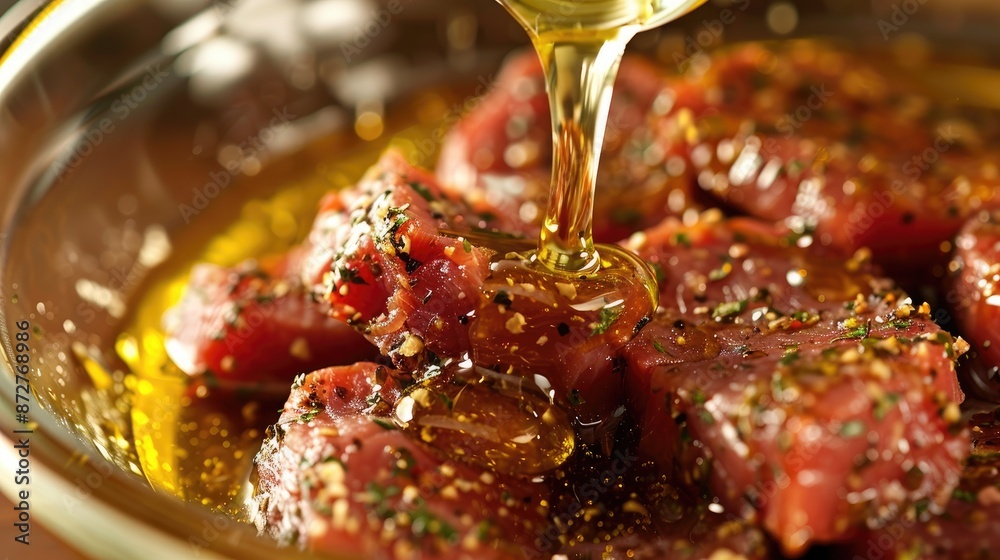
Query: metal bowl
[131, 130]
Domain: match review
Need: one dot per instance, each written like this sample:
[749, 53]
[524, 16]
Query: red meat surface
[410, 267]
[380, 252]
[334, 476]
[804, 392]
[856, 150]
[974, 298]
[248, 325]
[967, 527]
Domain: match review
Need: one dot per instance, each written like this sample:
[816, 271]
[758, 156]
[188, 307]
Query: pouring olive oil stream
[566, 278]
[580, 45]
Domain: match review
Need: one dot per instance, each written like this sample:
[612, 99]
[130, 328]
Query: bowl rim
[75, 492]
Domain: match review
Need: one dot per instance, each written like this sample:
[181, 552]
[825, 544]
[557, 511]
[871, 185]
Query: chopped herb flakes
[608, 317]
[658, 270]
[384, 424]
[422, 190]
[804, 316]
[884, 405]
[211, 381]
[404, 463]
[857, 333]
[921, 506]
[721, 272]
[901, 324]
[379, 496]
[852, 428]
[729, 309]
[423, 523]
[350, 276]
[789, 357]
[448, 402]
[308, 416]
[964, 495]
[483, 530]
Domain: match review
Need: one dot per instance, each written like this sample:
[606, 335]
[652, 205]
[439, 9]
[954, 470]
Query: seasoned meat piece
[500, 156]
[859, 153]
[334, 476]
[805, 392]
[975, 299]
[249, 324]
[387, 268]
[406, 264]
[966, 528]
[565, 334]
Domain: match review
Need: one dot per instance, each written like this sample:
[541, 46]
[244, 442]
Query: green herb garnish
[728, 309]
[900, 324]
[963, 495]
[383, 423]
[856, 333]
[852, 428]
[422, 190]
[884, 405]
[607, 318]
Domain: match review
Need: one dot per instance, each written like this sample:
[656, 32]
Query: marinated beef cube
[249, 324]
[806, 393]
[335, 476]
[966, 528]
[857, 152]
[407, 265]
